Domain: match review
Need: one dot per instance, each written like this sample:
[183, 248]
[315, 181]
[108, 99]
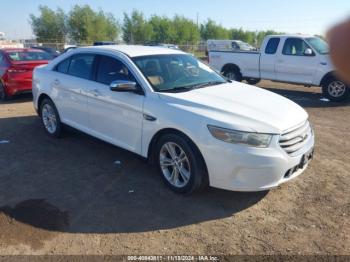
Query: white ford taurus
[197, 127]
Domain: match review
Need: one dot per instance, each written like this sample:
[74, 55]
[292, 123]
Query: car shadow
[21, 98]
[307, 99]
[73, 185]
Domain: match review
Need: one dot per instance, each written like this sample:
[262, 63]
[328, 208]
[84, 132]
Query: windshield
[318, 44]
[29, 56]
[176, 72]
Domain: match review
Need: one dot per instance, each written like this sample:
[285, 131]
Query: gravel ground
[66, 196]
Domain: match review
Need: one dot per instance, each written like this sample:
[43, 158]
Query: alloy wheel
[49, 118]
[175, 164]
[336, 88]
[231, 75]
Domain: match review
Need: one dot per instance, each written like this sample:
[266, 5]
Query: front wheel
[335, 89]
[50, 118]
[181, 165]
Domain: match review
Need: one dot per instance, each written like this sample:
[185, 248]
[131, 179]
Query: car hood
[240, 106]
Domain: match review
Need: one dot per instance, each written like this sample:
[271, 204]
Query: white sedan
[197, 127]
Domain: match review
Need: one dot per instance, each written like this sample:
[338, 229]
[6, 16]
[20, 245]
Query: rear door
[115, 117]
[70, 81]
[293, 65]
[268, 59]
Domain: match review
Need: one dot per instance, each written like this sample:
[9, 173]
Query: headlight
[240, 137]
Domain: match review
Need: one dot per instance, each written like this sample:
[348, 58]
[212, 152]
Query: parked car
[171, 46]
[54, 52]
[16, 68]
[104, 43]
[68, 49]
[228, 45]
[297, 59]
[199, 128]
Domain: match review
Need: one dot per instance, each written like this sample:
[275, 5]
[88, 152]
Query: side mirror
[123, 86]
[308, 52]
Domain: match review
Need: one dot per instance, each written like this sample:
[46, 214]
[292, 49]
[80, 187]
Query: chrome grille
[294, 140]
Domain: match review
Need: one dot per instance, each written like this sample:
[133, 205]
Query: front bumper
[242, 168]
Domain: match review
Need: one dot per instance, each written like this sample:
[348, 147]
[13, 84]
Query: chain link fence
[199, 50]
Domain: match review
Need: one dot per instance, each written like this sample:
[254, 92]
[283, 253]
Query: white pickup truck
[298, 59]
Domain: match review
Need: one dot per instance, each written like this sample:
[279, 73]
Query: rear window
[272, 46]
[28, 56]
[81, 66]
[63, 66]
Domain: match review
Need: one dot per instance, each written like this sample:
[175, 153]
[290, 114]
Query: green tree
[49, 26]
[136, 29]
[86, 26]
[186, 31]
[211, 30]
[163, 29]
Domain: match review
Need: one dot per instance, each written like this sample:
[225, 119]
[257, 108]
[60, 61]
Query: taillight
[17, 70]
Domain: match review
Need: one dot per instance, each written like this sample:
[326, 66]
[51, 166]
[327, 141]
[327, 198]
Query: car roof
[135, 50]
[291, 35]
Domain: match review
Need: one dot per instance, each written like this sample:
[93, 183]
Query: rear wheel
[3, 95]
[181, 165]
[335, 89]
[50, 118]
[252, 81]
[233, 74]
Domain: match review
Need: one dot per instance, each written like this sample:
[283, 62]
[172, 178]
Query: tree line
[83, 25]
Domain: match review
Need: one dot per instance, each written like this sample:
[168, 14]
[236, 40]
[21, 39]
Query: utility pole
[197, 20]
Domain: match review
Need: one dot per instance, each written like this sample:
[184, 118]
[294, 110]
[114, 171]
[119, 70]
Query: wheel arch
[326, 76]
[160, 133]
[40, 100]
[229, 67]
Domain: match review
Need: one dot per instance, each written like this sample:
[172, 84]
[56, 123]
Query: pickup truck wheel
[50, 118]
[233, 74]
[335, 89]
[181, 165]
[252, 81]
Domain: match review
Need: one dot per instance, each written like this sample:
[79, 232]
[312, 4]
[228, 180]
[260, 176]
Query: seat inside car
[151, 71]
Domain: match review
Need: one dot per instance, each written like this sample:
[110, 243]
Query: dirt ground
[66, 196]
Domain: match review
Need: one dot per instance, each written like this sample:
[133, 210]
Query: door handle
[56, 82]
[96, 92]
[280, 61]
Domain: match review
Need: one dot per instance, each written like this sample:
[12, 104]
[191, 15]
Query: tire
[335, 89]
[3, 96]
[186, 176]
[233, 74]
[50, 118]
[252, 81]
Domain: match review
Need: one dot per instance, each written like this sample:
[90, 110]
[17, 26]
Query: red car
[16, 69]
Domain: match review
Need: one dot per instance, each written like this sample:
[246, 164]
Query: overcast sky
[293, 16]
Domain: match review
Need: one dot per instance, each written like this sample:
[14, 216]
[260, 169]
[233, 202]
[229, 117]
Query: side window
[272, 45]
[294, 46]
[234, 45]
[62, 67]
[81, 65]
[111, 69]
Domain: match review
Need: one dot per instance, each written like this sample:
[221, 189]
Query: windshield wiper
[191, 87]
[212, 83]
[176, 89]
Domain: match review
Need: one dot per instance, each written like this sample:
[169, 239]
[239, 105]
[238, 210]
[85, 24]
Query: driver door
[293, 65]
[115, 117]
